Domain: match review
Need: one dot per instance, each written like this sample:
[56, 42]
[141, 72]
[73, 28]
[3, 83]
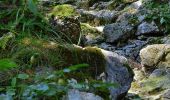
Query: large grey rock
[77, 95]
[147, 29]
[96, 18]
[118, 72]
[155, 56]
[117, 32]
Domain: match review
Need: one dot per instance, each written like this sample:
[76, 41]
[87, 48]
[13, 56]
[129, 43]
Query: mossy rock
[59, 56]
[64, 10]
[86, 29]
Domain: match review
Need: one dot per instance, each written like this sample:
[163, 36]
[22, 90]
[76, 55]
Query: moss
[90, 55]
[87, 29]
[64, 10]
[156, 84]
[59, 56]
[129, 68]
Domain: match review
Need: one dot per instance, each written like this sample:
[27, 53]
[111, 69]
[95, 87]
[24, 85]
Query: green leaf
[72, 68]
[32, 6]
[14, 81]
[7, 64]
[23, 76]
[162, 20]
[4, 39]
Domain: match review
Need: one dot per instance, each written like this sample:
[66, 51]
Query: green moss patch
[64, 10]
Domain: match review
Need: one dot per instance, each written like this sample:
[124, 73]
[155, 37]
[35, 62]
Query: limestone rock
[154, 56]
[117, 32]
[147, 29]
[118, 72]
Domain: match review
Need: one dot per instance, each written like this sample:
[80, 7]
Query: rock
[118, 72]
[166, 40]
[91, 35]
[69, 28]
[77, 95]
[132, 49]
[157, 73]
[155, 87]
[66, 1]
[135, 13]
[147, 29]
[97, 18]
[118, 32]
[166, 95]
[107, 46]
[83, 4]
[155, 56]
[100, 5]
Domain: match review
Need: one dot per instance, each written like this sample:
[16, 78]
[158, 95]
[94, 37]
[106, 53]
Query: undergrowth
[23, 22]
[160, 13]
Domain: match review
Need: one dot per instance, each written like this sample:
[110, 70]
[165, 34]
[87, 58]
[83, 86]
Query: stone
[157, 73]
[147, 29]
[155, 56]
[166, 95]
[118, 32]
[107, 46]
[97, 18]
[74, 94]
[154, 87]
[66, 1]
[118, 72]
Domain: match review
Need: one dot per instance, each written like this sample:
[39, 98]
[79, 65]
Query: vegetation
[28, 42]
[160, 14]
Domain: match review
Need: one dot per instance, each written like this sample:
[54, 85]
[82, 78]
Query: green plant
[160, 13]
[51, 86]
[7, 64]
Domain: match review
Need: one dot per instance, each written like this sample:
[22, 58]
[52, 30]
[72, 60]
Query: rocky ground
[125, 42]
[121, 28]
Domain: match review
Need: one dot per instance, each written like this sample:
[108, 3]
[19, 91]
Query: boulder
[118, 32]
[99, 60]
[118, 71]
[155, 56]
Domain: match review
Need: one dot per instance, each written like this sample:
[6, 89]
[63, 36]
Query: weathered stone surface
[153, 87]
[154, 56]
[118, 72]
[147, 29]
[101, 17]
[117, 32]
[77, 95]
[132, 49]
